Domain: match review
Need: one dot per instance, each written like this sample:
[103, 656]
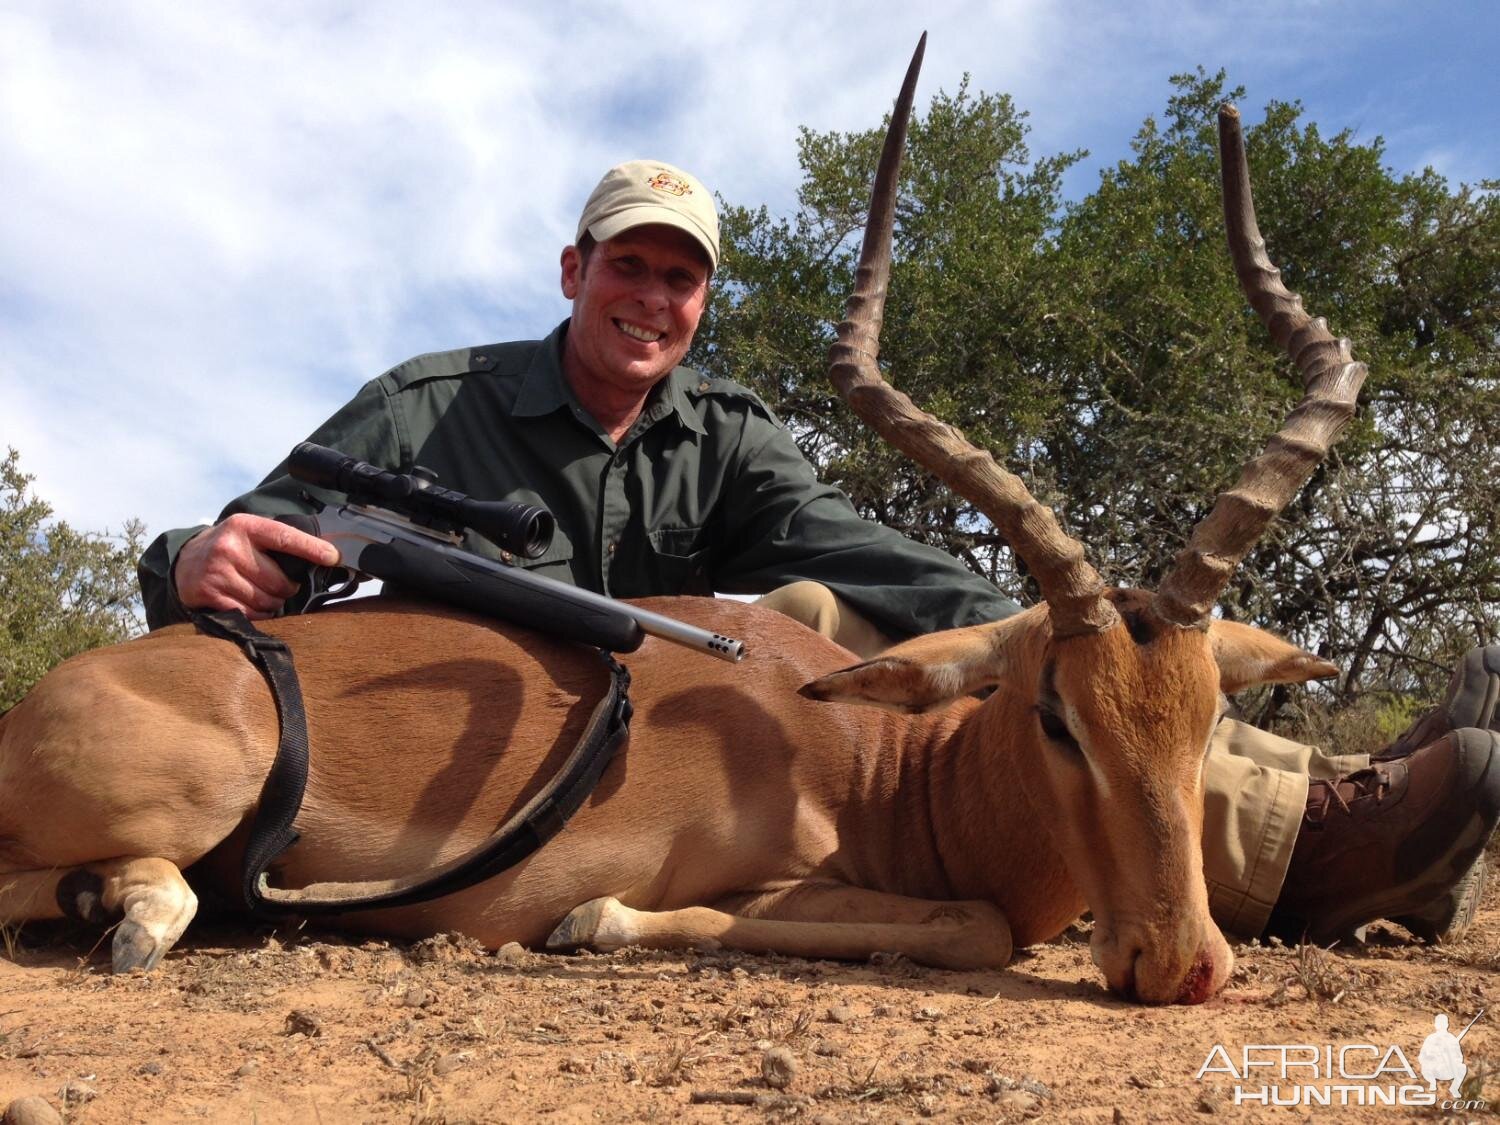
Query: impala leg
[817, 920]
[147, 897]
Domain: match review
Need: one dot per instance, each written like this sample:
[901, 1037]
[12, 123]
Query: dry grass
[1324, 976]
[1371, 722]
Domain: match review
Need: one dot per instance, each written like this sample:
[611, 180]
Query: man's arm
[226, 566]
[787, 526]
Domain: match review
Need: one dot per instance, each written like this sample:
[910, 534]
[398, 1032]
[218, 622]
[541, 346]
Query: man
[666, 482]
[1441, 1058]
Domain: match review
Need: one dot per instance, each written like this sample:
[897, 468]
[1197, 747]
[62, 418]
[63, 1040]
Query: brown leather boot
[1473, 692]
[1391, 840]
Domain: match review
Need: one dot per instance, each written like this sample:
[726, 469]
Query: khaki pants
[1254, 782]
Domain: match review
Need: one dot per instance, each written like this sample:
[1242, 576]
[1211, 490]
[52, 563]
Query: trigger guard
[337, 587]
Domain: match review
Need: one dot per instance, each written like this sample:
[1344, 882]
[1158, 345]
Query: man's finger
[268, 535]
[241, 595]
[267, 578]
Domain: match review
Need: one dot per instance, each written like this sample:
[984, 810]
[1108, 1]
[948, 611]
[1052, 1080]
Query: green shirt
[706, 492]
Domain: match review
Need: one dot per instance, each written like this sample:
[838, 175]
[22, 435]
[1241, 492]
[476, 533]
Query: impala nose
[1139, 970]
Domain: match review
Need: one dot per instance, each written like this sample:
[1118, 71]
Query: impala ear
[924, 673]
[1247, 655]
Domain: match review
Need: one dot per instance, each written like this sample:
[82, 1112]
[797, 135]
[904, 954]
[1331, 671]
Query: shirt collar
[544, 389]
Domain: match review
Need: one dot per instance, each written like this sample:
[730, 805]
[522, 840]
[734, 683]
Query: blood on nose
[1197, 986]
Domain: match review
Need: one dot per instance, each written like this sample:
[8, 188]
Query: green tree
[61, 591]
[1103, 347]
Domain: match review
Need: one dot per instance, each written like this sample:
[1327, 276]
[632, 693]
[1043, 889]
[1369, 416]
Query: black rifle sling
[272, 831]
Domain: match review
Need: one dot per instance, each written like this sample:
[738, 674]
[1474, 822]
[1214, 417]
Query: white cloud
[217, 219]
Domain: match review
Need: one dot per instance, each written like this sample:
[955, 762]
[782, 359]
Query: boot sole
[1449, 918]
[1474, 704]
[1413, 895]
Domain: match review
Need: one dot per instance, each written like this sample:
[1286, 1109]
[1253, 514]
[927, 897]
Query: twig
[384, 1056]
[744, 1097]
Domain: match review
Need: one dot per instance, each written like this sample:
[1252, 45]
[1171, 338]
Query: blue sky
[218, 219]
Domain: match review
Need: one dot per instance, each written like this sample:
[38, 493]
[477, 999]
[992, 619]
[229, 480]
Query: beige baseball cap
[650, 191]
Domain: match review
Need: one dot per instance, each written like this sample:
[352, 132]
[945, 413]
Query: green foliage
[1103, 348]
[61, 591]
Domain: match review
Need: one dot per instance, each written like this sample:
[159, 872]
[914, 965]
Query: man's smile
[638, 332]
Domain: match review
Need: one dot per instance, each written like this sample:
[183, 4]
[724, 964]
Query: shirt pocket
[679, 561]
[555, 562]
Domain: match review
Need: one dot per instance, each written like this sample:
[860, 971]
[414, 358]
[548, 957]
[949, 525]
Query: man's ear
[1247, 655]
[572, 270]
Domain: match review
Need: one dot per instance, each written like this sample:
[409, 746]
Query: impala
[744, 811]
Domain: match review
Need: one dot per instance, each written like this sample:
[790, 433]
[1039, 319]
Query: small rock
[32, 1110]
[247, 1069]
[826, 1049]
[152, 1067]
[1000, 1085]
[449, 1063]
[301, 1021]
[927, 1105]
[574, 1065]
[415, 996]
[1207, 1103]
[840, 1014]
[76, 1092]
[512, 953]
[1018, 1100]
[929, 1015]
[778, 1067]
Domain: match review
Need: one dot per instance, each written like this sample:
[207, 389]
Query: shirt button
[506, 556]
[611, 547]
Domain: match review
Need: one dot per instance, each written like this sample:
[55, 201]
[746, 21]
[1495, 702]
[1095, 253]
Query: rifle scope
[522, 529]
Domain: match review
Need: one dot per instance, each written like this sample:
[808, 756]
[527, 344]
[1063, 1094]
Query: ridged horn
[1331, 379]
[1072, 588]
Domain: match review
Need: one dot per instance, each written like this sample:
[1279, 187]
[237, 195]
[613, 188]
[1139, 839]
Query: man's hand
[226, 567]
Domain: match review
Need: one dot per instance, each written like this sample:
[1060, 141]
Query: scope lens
[522, 529]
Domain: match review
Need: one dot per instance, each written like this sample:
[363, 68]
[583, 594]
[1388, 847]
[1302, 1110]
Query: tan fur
[733, 793]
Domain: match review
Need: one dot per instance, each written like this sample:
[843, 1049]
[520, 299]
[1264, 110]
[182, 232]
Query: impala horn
[1071, 587]
[1331, 379]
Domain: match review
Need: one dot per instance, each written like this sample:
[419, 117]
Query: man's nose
[653, 295]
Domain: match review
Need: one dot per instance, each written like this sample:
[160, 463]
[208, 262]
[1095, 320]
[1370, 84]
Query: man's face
[636, 306]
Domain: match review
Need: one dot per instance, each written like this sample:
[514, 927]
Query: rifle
[405, 529]
[1468, 1025]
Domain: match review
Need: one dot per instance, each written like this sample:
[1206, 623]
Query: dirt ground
[252, 1025]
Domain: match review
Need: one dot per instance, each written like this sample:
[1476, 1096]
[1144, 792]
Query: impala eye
[1056, 730]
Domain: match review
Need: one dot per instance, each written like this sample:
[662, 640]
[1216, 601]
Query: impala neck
[953, 788]
[994, 823]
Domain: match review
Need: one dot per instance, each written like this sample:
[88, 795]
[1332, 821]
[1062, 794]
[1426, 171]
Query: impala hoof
[135, 948]
[584, 927]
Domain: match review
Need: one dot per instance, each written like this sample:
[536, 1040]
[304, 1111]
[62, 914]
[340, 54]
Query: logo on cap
[672, 185]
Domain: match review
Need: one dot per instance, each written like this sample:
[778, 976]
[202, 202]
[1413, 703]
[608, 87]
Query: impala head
[1106, 699]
